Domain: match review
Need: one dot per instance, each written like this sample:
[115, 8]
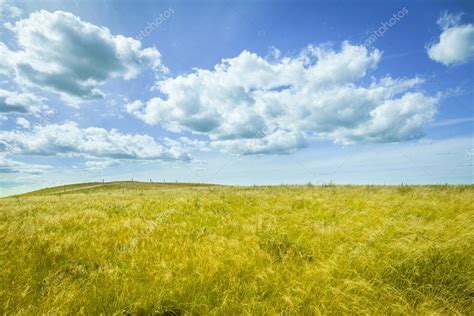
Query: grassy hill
[94, 187]
[165, 248]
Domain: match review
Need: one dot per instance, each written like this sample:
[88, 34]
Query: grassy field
[180, 248]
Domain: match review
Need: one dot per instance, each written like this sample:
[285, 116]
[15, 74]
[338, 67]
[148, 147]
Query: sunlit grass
[143, 248]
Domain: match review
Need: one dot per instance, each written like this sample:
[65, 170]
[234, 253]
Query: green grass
[144, 248]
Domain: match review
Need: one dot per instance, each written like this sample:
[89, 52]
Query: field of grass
[137, 248]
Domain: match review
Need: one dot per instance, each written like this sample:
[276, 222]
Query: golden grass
[144, 249]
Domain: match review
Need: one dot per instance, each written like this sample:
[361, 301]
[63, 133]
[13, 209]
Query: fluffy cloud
[69, 139]
[61, 53]
[456, 42]
[279, 142]
[252, 105]
[393, 120]
[11, 101]
[22, 122]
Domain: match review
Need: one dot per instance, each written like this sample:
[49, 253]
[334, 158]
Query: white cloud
[393, 120]
[279, 142]
[447, 20]
[11, 101]
[61, 53]
[12, 166]
[69, 139]
[98, 165]
[451, 122]
[24, 123]
[253, 105]
[8, 11]
[134, 107]
[188, 144]
[456, 42]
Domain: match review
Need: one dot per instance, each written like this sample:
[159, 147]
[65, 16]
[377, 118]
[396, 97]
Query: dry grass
[144, 249]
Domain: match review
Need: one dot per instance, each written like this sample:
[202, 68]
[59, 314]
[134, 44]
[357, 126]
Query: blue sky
[236, 92]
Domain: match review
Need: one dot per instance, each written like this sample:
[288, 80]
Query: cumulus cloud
[254, 105]
[11, 101]
[134, 107]
[456, 42]
[22, 122]
[69, 139]
[279, 142]
[393, 120]
[61, 53]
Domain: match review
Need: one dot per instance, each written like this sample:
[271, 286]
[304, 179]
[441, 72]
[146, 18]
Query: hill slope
[94, 187]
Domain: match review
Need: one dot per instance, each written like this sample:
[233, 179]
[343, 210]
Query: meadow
[172, 249]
